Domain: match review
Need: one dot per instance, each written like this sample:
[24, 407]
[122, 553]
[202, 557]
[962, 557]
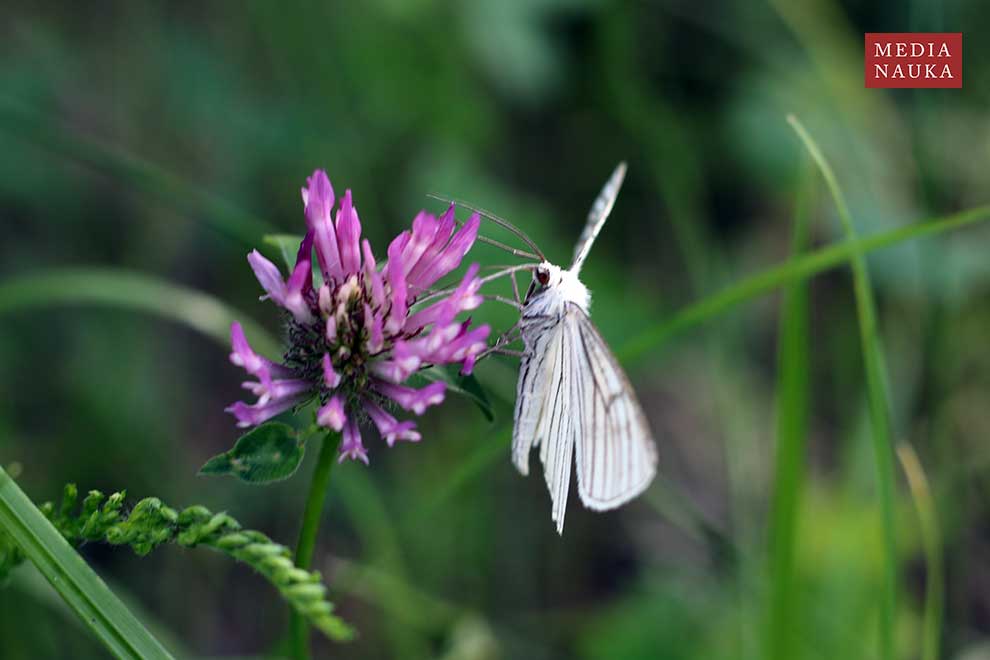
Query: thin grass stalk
[793, 385]
[931, 541]
[877, 395]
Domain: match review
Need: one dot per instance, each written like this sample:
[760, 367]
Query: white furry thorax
[564, 286]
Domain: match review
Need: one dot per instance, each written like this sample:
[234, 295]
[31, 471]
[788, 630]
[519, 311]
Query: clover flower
[356, 334]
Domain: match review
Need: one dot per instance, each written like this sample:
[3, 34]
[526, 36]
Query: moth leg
[505, 339]
[515, 287]
[501, 299]
[503, 351]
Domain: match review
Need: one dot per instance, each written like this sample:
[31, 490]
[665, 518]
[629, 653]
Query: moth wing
[531, 389]
[616, 453]
[543, 417]
[598, 215]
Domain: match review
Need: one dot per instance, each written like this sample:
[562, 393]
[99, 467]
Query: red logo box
[913, 59]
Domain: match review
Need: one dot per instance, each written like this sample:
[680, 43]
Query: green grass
[136, 292]
[878, 397]
[793, 396]
[931, 540]
[81, 588]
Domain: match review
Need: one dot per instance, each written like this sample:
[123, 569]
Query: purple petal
[331, 414]
[268, 275]
[244, 356]
[319, 201]
[397, 285]
[352, 447]
[373, 323]
[411, 399]
[450, 257]
[331, 331]
[397, 245]
[401, 363]
[253, 415]
[373, 277]
[446, 227]
[300, 281]
[349, 236]
[324, 300]
[451, 343]
[424, 229]
[277, 389]
[390, 428]
[305, 253]
[467, 346]
[330, 377]
[464, 298]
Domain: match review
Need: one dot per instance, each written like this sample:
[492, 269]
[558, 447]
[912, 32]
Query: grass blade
[932, 543]
[793, 383]
[794, 270]
[136, 292]
[72, 577]
[877, 395]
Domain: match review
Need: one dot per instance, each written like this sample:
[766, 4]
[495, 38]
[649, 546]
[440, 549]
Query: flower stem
[307, 534]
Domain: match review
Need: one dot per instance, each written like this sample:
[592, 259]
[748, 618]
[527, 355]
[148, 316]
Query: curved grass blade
[794, 270]
[878, 397]
[793, 385]
[932, 543]
[71, 576]
[134, 291]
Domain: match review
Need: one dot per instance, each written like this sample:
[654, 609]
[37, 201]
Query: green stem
[307, 534]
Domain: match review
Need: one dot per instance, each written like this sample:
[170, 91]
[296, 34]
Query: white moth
[573, 397]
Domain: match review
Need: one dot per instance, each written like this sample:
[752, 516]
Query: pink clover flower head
[356, 332]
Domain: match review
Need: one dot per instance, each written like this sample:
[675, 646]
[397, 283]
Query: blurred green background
[167, 138]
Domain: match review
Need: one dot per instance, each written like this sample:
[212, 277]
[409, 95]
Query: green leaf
[287, 245]
[71, 576]
[271, 452]
[468, 386]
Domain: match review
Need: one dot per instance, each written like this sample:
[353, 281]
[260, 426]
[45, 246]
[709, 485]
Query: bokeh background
[167, 138]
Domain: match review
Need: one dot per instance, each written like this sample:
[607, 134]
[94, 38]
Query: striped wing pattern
[616, 455]
[572, 393]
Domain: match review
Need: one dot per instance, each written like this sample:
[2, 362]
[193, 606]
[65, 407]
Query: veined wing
[535, 374]
[597, 216]
[543, 417]
[616, 453]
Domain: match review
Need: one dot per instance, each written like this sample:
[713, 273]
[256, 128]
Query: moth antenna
[511, 250]
[505, 224]
[509, 271]
[430, 295]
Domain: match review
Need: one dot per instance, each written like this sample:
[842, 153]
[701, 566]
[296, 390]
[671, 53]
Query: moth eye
[543, 276]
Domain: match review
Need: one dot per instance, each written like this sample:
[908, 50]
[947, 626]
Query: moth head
[543, 276]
